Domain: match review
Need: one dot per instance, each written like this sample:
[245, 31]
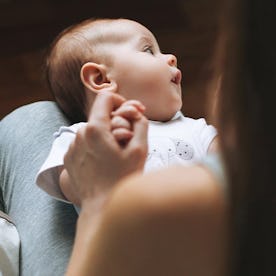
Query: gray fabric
[46, 226]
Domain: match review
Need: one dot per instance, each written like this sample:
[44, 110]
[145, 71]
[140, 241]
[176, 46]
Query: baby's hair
[68, 52]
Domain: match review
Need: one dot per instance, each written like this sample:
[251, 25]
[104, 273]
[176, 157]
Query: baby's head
[69, 51]
[116, 55]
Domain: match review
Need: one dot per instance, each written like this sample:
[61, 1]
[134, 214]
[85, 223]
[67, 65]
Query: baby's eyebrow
[145, 40]
[148, 40]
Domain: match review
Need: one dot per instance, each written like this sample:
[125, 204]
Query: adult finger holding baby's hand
[121, 129]
[95, 161]
[122, 120]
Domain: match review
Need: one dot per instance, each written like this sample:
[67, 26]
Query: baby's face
[142, 72]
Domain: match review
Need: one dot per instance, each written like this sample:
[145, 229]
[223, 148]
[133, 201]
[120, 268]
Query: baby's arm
[214, 145]
[65, 187]
[121, 125]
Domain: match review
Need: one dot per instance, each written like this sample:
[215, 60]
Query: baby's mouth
[177, 77]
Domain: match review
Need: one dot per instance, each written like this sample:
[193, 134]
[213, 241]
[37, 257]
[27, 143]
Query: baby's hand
[121, 123]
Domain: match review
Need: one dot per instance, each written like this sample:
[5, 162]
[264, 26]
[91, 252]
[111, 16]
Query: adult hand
[95, 160]
[123, 118]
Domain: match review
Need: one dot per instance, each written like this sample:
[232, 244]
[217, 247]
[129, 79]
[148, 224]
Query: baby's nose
[172, 60]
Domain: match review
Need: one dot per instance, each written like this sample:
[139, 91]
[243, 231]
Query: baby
[120, 56]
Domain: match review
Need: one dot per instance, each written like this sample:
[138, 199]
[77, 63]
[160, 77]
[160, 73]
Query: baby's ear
[94, 78]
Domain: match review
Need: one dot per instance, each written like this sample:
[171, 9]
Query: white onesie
[181, 140]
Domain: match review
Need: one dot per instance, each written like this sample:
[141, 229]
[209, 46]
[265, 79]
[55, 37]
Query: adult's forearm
[83, 250]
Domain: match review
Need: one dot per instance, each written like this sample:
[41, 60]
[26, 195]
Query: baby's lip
[177, 77]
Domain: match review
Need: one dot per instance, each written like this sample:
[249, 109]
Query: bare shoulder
[214, 145]
[178, 216]
[192, 187]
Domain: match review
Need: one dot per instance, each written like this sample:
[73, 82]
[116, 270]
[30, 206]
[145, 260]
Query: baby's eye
[149, 50]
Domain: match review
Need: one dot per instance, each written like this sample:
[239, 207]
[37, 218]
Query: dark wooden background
[186, 28]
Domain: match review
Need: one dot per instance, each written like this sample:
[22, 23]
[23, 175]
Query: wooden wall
[186, 28]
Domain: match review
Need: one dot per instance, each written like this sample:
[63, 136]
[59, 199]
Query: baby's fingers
[122, 135]
[120, 122]
[139, 106]
[129, 112]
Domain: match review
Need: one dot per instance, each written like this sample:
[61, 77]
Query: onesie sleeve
[47, 177]
[204, 134]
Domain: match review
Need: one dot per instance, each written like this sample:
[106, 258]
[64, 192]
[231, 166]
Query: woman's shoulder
[188, 188]
[180, 209]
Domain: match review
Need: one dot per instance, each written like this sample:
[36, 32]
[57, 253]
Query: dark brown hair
[246, 117]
